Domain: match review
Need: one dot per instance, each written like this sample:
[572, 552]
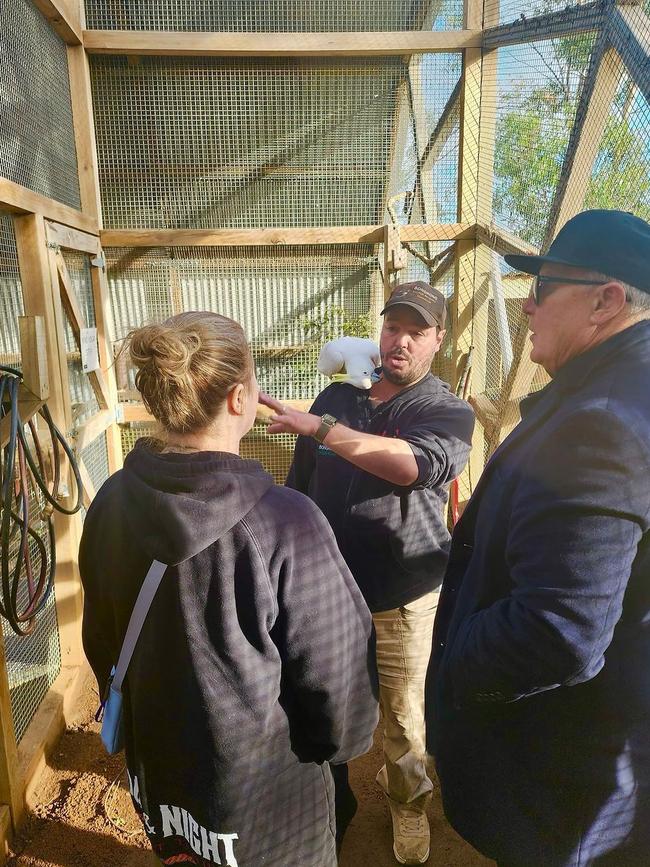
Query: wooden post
[39, 278]
[82, 111]
[11, 790]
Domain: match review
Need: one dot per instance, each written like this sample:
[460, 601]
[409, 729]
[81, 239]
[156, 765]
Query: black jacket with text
[394, 539]
[252, 667]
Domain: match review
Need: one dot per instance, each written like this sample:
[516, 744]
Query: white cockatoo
[358, 356]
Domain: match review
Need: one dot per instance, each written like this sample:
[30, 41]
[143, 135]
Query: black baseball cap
[429, 302]
[614, 243]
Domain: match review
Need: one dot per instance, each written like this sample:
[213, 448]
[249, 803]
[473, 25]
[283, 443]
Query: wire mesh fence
[275, 15]
[32, 662]
[83, 399]
[11, 294]
[204, 142]
[289, 300]
[37, 145]
[537, 94]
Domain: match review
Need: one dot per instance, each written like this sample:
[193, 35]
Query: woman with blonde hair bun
[251, 670]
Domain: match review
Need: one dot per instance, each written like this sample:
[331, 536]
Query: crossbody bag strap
[138, 615]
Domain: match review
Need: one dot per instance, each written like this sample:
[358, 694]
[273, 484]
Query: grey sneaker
[410, 833]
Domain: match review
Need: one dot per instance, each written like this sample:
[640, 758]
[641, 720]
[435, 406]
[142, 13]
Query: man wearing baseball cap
[379, 464]
[538, 691]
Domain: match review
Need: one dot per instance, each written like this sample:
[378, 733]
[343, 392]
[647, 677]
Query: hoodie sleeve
[441, 439]
[325, 638]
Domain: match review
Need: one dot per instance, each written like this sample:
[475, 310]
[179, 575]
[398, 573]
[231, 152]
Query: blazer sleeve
[576, 521]
[325, 638]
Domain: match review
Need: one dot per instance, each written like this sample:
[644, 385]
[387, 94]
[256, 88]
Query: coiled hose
[15, 528]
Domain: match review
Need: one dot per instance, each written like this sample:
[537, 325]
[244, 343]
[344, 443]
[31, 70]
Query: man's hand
[386, 457]
[287, 420]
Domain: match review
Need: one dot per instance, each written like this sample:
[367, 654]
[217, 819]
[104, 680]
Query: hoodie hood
[182, 503]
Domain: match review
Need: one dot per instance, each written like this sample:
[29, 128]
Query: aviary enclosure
[283, 163]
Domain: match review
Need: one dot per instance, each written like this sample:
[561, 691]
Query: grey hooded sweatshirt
[253, 668]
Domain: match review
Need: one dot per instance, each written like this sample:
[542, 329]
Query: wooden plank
[278, 237]
[71, 239]
[63, 18]
[77, 322]
[629, 33]
[96, 425]
[340, 44]
[6, 833]
[103, 323]
[598, 91]
[48, 724]
[84, 132]
[88, 487]
[33, 356]
[11, 792]
[504, 242]
[442, 131]
[584, 18]
[20, 200]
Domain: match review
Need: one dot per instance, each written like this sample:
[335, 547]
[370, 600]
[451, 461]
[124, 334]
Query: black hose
[15, 529]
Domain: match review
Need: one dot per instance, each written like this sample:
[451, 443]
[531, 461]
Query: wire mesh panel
[537, 96]
[508, 11]
[37, 146]
[274, 15]
[289, 300]
[204, 142]
[95, 458]
[32, 662]
[11, 294]
[82, 396]
[621, 173]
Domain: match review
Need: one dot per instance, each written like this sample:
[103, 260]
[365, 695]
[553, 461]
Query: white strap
[138, 616]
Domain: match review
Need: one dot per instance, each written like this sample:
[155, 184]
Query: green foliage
[337, 322]
[533, 134]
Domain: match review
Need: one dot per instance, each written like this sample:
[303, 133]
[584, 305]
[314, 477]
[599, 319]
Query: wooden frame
[63, 18]
[628, 30]
[340, 44]
[20, 200]
[279, 237]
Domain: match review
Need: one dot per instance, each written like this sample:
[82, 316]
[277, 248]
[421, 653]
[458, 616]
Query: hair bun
[167, 349]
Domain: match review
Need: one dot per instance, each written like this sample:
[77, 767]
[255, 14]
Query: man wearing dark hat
[379, 464]
[538, 692]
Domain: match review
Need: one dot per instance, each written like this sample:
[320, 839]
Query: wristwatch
[327, 422]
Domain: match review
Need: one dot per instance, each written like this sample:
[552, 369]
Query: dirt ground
[84, 816]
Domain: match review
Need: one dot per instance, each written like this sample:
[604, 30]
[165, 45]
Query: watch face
[328, 419]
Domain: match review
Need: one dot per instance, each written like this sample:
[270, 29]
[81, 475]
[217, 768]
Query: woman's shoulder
[290, 510]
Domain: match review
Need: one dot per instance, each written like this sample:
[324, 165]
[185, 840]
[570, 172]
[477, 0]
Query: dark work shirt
[394, 538]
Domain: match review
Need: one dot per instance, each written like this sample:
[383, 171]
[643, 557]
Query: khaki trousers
[404, 638]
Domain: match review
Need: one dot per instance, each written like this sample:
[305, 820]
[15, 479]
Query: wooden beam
[596, 97]
[443, 129]
[96, 425]
[137, 412]
[33, 354]
[340, 44]
[84, 132]
[504, 242]
[20, 200]
[278, 237]
[77, 323]
[88, 488]
[63, 19]
[103, 322]
[72, 239]
[11, 792]
[584, 18]
[629, 33]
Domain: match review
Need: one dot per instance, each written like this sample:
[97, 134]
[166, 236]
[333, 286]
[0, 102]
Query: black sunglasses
[540, 283]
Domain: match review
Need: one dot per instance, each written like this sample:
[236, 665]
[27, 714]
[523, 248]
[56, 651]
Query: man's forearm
[386, 457]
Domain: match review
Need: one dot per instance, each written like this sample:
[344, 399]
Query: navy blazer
[538, 691]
